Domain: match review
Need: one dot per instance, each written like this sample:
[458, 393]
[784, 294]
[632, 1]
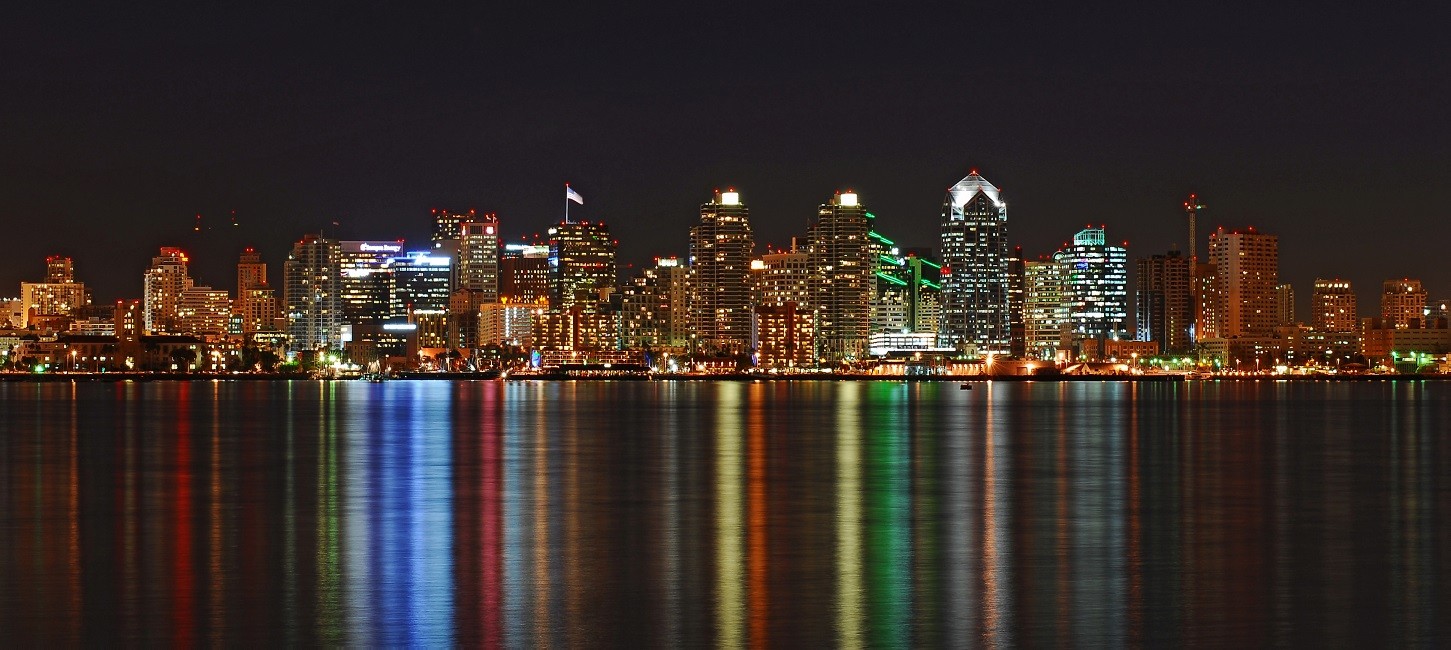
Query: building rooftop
[969, 187]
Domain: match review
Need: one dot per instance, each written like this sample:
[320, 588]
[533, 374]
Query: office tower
[1164, 301]
[1017, 329]
[1246, 264]
[164, 281]
[312, 297]
[975, 268]
[478, 279]
[1332, 306]
[422, 290]
[1095, 286]
[524, 274]
[1045, 312]
[1284, 305]
[204, 312]
[721, 247]
[842, 264]
[478, 259]
[365, 282]
[582, 266]
[448, 226]
[1402, 304]
[59, 270]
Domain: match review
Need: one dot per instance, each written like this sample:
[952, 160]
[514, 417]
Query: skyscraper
[478, 258]
[312, 299]
[842, 265]
[1164, 301]
[975, 267]
[1095, 286]
[524, 274]
[421, 295]
[721, 246]
[581, 264]
[1246, 266]
[447, 226]
[1332, 306]
[1017, 329]
[165, 279]
[1402, 302]
[365, 283]
[1045, 313]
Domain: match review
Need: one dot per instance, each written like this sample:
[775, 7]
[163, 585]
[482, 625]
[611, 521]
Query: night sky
[1326, 126]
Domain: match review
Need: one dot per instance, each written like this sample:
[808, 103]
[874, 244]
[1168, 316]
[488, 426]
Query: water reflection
[724, 514]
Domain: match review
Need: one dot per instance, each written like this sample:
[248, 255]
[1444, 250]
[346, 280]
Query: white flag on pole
[572, 195]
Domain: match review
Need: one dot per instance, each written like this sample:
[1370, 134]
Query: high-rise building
[256, 302]
[1332, 306]
[1045, 312]
[478, 279]
[1164, 301]
[165, 279]
[478, 259]
[448, 226]
[204, 312]
[422, 294]
[582, 266]
[721, 248]
[975, 268]
[1206, 301]
[59, 296]
[59, 270]
[365, 283]
[647, 310]
[1402, 303]
[677, 283]
[1285, 305]
[251, 271]
[779, 277]
[1017, 280]
[1246, 264]
[841, 260]
[312, 297]
[1095, 286]
[524, 274]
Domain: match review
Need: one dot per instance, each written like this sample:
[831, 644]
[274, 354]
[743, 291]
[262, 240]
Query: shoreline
[116, 377]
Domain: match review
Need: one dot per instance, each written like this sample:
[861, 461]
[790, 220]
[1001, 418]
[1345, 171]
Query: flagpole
[566, 202]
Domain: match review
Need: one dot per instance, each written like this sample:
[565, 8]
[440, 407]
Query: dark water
[703, 514]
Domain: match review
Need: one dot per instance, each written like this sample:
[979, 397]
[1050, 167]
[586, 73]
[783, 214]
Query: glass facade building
[974, 268]
[1095, 286]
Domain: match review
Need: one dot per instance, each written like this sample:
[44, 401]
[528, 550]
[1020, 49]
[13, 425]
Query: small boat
[965, 387]
[374, 377]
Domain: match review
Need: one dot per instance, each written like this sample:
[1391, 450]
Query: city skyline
[424, 227]
[1309, 124]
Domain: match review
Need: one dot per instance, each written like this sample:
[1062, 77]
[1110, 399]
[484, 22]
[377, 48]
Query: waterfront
[725, 513]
